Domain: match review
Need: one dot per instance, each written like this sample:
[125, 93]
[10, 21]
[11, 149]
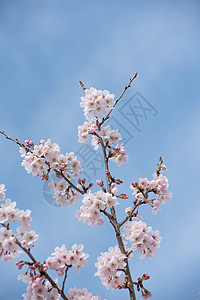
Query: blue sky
[45, 46]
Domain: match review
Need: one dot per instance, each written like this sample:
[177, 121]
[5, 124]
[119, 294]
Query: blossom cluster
[106, 133]
[39, 160]
[109, 136]
[109, 266]
[118, 155]
[8, 215]
[63, 258]
[78, 294]
[38, 289]
[62, 193]
[93, 204]
[159, 186]
[96, 102]
[142, 238]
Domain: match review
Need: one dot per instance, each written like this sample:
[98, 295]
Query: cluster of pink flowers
[142, 238]
[8, 246]
[78, 294]
[109, 136]
[109, 266]
[96, 102]
[85, 130]
[39, 160]
[39, 289]
[106, 133]
[62, 194]
[160, 200]
[63, 258]
[8, 215]
[118, 155]
[93, 204]
[159, 186]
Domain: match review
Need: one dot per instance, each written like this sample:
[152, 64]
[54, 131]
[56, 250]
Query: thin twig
[126, 87]
[131, 213]
[82, 85]
[63, 285]
[15, 140]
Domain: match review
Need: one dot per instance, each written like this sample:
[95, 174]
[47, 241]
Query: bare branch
[15, 141]
[126, 87]
[63, 285]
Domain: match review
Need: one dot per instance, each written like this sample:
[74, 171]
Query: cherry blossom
[39, 160]
[142, 238]
[109, 266]
[159, 186]
[62, 194]
[63, 257]
[96, 102]
[78, 294]
[93, 204]
[39, 289]
[9, 214]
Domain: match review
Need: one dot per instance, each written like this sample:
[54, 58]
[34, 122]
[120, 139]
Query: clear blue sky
[45, 46]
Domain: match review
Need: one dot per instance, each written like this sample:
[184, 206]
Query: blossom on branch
[93, 204]
[109, 266]
[142, 238]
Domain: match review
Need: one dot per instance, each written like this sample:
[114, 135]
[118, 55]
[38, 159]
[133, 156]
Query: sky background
[45, 47]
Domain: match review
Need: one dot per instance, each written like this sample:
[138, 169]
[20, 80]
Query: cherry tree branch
[42, 272]
[14, 140]
[115, 224]
[129, 217]
[46, 162]
[63, 285]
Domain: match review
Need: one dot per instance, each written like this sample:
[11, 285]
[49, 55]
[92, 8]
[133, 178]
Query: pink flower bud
[163, 168]
[99, 182]
[124, 196]
[107, 172]
[118, 181]
[29, 143]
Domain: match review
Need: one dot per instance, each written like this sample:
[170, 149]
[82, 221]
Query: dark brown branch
[63, 285]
